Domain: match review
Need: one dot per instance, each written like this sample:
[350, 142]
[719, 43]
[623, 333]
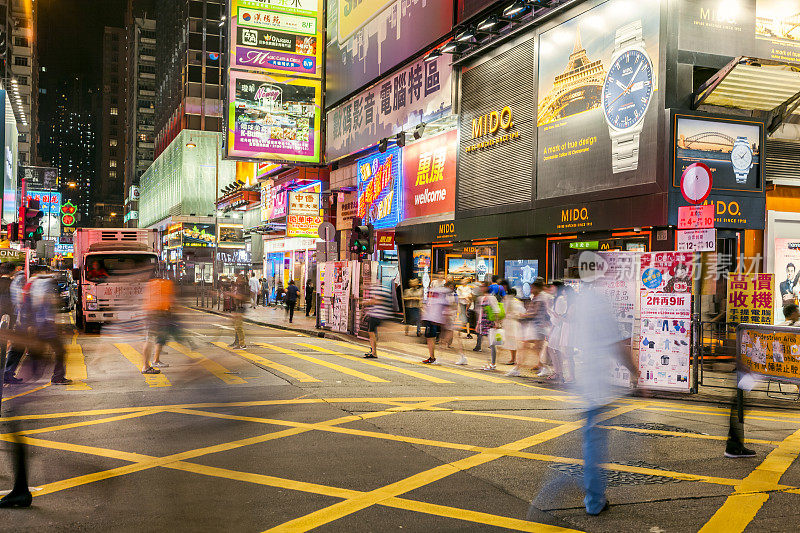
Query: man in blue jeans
[599, 344]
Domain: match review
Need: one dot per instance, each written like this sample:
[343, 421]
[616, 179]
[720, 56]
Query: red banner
[429, 175]
[384, 240]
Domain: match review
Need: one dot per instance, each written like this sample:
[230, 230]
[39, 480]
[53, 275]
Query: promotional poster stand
[769, 351]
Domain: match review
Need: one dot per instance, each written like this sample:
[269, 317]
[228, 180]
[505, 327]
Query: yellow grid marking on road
[209, 364]
[85, 423]
[334, 366]
[76, 365]
[135, 357]
[29, 391]
[352, 505]
[377, 364]
[511, 417]
[741, 508]
[688, 435]
[722, 412]
[475, 375]
[283, 369]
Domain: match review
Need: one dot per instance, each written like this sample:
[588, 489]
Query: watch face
[741, 157]
[628, 89]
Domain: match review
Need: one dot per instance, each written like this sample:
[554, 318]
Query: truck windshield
[112, 268]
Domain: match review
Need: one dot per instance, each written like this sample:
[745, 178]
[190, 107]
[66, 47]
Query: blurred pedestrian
[292, 293]
[490, 313]
[378, 306]
[599, 343]
[310, 297]
[497, 289]
[559, 341]
[40, 306]
[412, 298]
[161, 323]
[464, 295]
[515, 310]
[539, 326]
[12, 282]
[435, 315]
[240, 295]
[255, 287]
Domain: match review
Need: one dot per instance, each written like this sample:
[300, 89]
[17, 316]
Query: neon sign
[380, 189]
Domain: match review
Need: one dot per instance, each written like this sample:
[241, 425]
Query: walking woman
[515, 310]
[310, 297]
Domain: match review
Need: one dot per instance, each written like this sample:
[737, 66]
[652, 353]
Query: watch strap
[625, 152]
[628, 34]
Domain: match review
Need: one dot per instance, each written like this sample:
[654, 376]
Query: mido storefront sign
[492, 129]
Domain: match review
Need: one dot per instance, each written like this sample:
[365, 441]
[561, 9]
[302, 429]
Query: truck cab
[112, 270]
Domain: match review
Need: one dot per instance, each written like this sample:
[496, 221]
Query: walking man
[158, 304]
[310, 297]
[292, 293]
[254, 289]
[240, 295]
[378, 308]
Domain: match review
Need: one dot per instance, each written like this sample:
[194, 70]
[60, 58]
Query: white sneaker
[160, 364]
[513, 372]
[462, 361]
[544, 372]
[489, 367]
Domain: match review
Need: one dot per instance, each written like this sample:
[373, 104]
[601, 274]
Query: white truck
[112, 267]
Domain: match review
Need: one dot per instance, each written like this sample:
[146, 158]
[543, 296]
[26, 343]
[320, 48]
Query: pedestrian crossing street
[296, 359]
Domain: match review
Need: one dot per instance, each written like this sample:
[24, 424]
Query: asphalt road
[298, 433]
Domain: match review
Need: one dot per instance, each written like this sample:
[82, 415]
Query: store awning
[240, 200]
[768, 87]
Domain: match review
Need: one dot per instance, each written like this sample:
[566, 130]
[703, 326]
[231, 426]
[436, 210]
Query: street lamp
[72, 184]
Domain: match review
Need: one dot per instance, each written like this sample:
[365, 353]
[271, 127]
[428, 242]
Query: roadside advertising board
[304, 214]
[696, 240]
[429, 175]
[750, 298]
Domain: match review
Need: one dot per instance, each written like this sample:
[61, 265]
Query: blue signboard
[380, 188]
[49, 201]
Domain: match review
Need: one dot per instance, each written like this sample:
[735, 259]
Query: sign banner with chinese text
[49, 202]
[304, 214]
[420, 92]
[787, 270]
[380, 190]
[696, 240]
[346, 210]
[429, 173]
[368, 38]
[750, 298]
[277, 35]
[770, 351]
[384, 240]
[696, 216]
[665, 320]
[273, 117]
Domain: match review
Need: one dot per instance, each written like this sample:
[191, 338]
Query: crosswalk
[294, 359]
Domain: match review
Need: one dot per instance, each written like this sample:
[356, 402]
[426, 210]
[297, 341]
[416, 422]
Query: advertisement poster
[771, 353]
[380, 189]
[669, 272]
[304, 214]
[49, 202]
[731, 149]
[231, 235]
[750, 298]
[420, 92]
[323, 303]
[283, 36]
[787, 270]
[620, 287]
[367, 39]
[39, 178]
[267, 200]
[597, 100]
[339, 280]
[777, 35]
[711, 27]
[521, 273]
[274, 117]
[201, 235]
[429, 174]
[346, 210]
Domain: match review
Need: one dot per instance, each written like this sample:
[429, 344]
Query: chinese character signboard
[49, 202]
[420, 92]
[429, 173]
[380, 191]
[750, 298]
[769, 351]
[273, 117]
[304, 214]
[267, 199]
[277, 35]
[696, 216]
[696, 240]
[787, 270]
[346, 210]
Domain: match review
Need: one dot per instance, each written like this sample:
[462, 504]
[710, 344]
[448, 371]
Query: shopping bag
[497, 336]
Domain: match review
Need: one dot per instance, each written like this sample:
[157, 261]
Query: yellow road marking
[334, 366]
[475, 375]
[688, 435]
[740, 508]
[352, 505]
[511, 417]
[374, 363]
[76, 365]
[296, 374]
[136, 359]
[35, 389]
[84, 423]
[724, 412]
[212, 366]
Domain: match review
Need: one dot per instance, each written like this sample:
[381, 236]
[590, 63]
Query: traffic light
[12, 231]
[32, 221]
[362, 241]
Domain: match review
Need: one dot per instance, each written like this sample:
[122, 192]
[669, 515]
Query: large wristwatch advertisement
[597, 115]
[627, 92]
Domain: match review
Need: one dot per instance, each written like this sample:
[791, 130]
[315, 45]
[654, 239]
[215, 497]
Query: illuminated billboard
[274, 118]
[380, 189]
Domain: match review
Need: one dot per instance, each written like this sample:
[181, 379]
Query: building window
[21, 61]
[113, 163]
[114, 111]
[112, 174]
[22, 80]
[21, 41]
[112, 142]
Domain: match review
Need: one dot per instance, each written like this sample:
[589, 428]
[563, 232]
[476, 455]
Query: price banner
[696, 217]
[696, 240]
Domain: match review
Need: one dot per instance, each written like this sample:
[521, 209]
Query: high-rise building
[188, 68]
[141, 95]
[109, 186]
[21, 72]
[71, 141]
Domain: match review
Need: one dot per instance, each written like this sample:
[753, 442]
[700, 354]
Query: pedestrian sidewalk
[391, 336]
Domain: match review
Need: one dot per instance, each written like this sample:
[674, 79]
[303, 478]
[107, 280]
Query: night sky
[70, 34]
